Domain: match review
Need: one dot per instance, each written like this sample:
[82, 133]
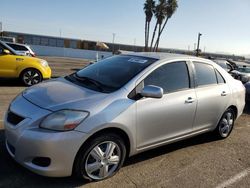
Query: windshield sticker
[135, 60]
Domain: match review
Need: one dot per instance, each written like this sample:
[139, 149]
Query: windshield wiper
[98, 85]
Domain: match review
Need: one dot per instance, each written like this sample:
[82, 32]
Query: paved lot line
[234, 179]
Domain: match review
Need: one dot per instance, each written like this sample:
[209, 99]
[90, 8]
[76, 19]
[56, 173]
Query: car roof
[8, 47]
[16, 44]
[165, 56]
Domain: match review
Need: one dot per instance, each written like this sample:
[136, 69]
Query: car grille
[14, 119]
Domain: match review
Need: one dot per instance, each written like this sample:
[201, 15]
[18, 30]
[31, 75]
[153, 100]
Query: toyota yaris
[87, 123]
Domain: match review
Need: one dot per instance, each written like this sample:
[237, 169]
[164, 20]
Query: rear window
[220, 78]
[17, 47]
[205, 74]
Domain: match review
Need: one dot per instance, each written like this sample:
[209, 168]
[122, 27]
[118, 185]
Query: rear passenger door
[212, 94]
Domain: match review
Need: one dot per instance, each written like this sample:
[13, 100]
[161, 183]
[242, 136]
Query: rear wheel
[226, 124]
[102, 158]
[30, 77]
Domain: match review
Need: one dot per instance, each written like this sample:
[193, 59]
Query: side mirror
[151, 91]
[6, 52]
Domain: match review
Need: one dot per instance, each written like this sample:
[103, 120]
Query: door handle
[189, 100]
[223, 93]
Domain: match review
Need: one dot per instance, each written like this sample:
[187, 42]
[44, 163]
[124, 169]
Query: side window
[220, 79]
[170, 77]
[205, 74]
[18, 47]
[1, 50]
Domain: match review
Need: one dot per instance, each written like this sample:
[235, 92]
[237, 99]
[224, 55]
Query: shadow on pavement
[201, 139]
[14, 175]
[4, 82]
[247, 108]
[75, 69]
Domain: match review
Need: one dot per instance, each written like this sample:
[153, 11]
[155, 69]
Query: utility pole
[113, 50]
[198, 46]
[60, 32]
[194, 46]
[1, 28]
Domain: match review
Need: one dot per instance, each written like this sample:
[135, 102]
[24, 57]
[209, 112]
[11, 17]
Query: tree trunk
[159, 36]
[146, 23]
[148, 27]
[152, 40]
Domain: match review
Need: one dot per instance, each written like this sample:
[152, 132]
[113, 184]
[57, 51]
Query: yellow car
[29, 70]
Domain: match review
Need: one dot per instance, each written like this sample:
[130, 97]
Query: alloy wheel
[31, 77]
[226, 124]
[103, 160]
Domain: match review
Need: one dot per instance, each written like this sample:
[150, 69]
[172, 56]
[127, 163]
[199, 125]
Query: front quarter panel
[119, 114]
[24, 62]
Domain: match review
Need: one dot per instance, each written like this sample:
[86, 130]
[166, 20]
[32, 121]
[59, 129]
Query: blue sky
[223, 23]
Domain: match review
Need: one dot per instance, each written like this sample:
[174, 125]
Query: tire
[96, 162]
[31, 77]
[225, 125]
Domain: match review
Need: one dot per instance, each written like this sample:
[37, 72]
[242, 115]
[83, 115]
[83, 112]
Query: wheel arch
[234, 108]
[114, 130]
[21, 71]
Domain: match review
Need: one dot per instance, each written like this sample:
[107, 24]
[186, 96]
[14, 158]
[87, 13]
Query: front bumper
[46, 72]
[26, 142]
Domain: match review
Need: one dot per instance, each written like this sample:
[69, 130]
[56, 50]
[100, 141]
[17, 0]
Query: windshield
[112, 73]
[244, 69]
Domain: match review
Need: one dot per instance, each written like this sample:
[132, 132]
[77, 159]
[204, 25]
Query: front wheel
[30, 77]
[102, 159]
[225, 126]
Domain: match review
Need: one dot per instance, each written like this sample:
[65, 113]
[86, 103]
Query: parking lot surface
[197, 162]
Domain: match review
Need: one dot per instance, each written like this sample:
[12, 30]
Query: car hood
[60, 94]
[240, 73]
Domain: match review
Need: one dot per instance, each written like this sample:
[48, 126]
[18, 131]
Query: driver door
[159, 120]
[8, 64]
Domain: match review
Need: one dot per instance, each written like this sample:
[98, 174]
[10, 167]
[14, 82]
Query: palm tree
[170, 9]
[160, 15]
[149, 8]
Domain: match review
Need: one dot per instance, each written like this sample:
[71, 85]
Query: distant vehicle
[242, 74]
[87, 123]
[7, 39]
[224, 64]
[29, 70]
[247, 85]
[22, 49]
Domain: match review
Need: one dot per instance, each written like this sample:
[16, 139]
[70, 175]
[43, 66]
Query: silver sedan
[87, 123]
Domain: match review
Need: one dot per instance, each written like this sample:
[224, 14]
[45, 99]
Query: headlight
[43, 63]
[64, 120]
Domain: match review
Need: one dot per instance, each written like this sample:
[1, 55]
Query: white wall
[68, 52]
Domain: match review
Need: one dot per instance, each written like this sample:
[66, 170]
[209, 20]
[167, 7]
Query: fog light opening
[41, 161]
